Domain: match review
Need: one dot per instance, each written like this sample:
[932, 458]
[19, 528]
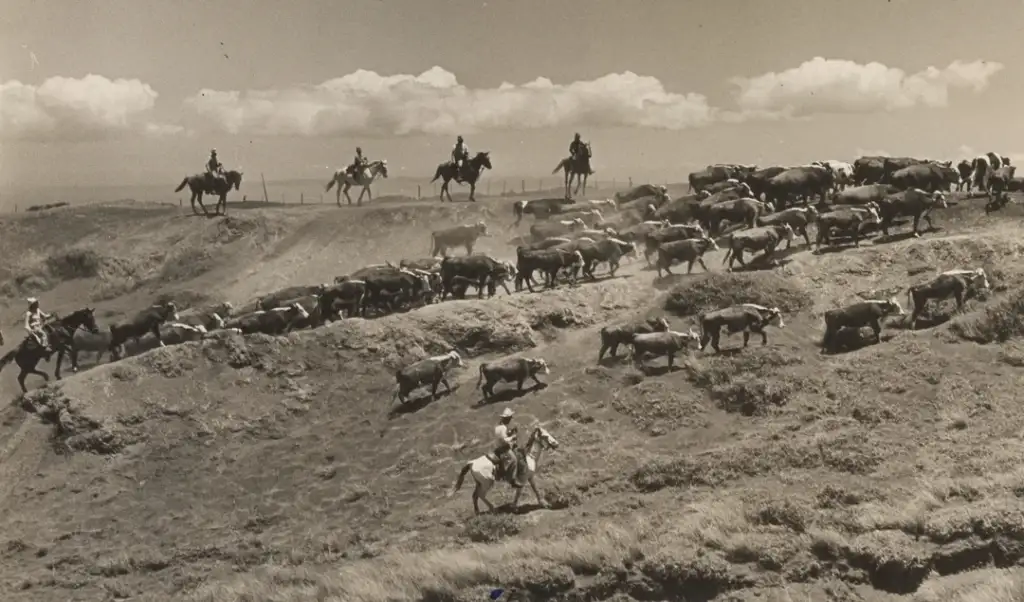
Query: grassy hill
[278, 469]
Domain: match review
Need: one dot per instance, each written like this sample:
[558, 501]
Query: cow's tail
[462, 477]
[182, 186]
[8, 357]
[481, 379]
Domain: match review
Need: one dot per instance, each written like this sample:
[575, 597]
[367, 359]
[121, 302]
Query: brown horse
[61, 334]
[471, 171]
[200, 183]
[578, 168]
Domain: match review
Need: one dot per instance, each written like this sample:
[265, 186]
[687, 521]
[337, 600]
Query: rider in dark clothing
[359, 162]
[460, 153]
[576, 148]
[213, 166]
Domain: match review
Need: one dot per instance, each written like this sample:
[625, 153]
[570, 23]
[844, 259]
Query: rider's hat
[460, 138]
[507, 413]
[577, 134]
[32, 300]
[213, 151]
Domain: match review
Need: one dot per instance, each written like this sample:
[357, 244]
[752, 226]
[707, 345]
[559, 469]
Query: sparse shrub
[74, 263]
[186, 264]
[997, 323]
[750, 395]
[783, 513]
[712, 291]
[490, 528]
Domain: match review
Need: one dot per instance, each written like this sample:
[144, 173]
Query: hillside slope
[268, 468]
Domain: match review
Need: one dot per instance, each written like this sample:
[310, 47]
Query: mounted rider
[35, 319]
[359, 163]
[577, 149]
[508, 453]
[460, 154]
[214, 168]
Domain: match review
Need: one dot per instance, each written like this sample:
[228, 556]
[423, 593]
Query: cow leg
[928, 218]
[876, 327]
[764, 335]
[959, 307]
[519, 383]
[705, 336]
[746, 337]
[917, 311]
[481, 283]
[917, 221]
[671, 359]
[715, 334]
[537, 380]
[444, 381]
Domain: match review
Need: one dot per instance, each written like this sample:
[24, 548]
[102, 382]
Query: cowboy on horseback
[460, 154]
[35, 318]
[508, 453]
[358, 163]
[213, 167]
[577, 149]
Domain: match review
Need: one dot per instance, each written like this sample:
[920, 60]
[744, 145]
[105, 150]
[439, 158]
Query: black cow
[539, 208]
[311, 304]
[432, 371]
[702, 210]
[964, 170]
[388, 287]
[746, 317]
[858, 315]
[765, 238]
[511, 369]
[849, 221]
[913, 202]
[148, 320]
[659, 344]
[868, 170]
[798, 219]
[690, 250]
[653, 240]
[622, 334]
[548, 261]
[800, 182]
[350, 294]
[678, 210]
[738, 211]
[998, 186]
[955, 283]
[479, 269]
[926, 176]
[273, 322]
[758, 181]
[891, 165]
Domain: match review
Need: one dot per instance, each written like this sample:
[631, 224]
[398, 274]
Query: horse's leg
[359, 199]
[345, 191]
[202, 206]
[193, 202]
[585, 176]
[515, 498]
[337, 192]
[60, 359]
[472, 191]
[540, 501]
[21, 379]
[482, 495]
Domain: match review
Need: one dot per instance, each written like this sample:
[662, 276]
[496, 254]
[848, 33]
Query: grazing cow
[964, 169]
[689, 250]
[758, 181]
[148, 320]
[622, 334]
[548, 261]
[273, 322]
[842, 171]
[210, 318]
[862, 195]
[956, 283]
[739, 211]
[745, 317]
[658, 344]
[591, 218]
[350, 294]
[432, 371]
[482, 270]
[544, 230]
[846, 220]
[756, 239]
[510, 369]
[539, 208]
[998, 186]
[458, 236]
[912, 202]
[658, 237]
[805, 181]
[926, 176]
[857, 315]
[798, 219]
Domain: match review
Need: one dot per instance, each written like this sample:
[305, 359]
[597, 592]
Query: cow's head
[708, 242]
[787, 232]
[298, 310]
[610, 231]
[170, 311]
[659, 324]
[452, 358]
[537, 365]
[577, 258]
[774, 316]
[481, 227]
[218, 322]
[980, 279]
[891, 306]
[745, 190]
[872, 209]
[578, 223]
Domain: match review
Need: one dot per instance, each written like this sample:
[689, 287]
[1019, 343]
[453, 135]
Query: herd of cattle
[762, 207]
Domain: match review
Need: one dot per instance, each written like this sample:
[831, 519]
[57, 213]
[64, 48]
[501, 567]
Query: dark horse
[471, 171]
[200, 183]
[61, 334]
[578, 167]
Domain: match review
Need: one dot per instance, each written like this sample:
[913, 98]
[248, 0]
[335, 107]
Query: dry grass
[773, 472]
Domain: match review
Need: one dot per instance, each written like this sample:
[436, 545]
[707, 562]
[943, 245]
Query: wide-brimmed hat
[32, 300]
[507, 413]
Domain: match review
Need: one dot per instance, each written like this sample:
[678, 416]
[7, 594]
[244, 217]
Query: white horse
[483, 468]
[363, 178]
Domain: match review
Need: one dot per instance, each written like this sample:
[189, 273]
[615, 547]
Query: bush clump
[709, 292]
[491, 528]
[998, 323]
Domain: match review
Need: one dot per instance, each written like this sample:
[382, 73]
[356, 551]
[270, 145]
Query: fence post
[180, 205]
[631, 182]
[302, 198]
[419, 193]
[503, 183]
[522, 186]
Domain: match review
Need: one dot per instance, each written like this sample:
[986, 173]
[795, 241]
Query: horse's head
[589, 150]
[234, 178]
[83, 318]
[544, 437]
[483, 159]
[381, 167]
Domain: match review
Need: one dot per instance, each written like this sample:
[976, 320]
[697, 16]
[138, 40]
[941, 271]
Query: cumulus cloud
[68, 109]
[434, 102]
[839, 86]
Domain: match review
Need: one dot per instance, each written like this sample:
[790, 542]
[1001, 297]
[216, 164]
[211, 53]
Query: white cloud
[839, 86]
[71, 109]
[433, 102]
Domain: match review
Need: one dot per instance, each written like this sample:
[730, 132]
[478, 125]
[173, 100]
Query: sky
[137, 92]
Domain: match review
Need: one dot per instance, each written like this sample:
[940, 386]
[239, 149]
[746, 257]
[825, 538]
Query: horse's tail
[182, 186]
[330, 184]
[460, 478]
[8, 357]
[437, 173]
[559, 167]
